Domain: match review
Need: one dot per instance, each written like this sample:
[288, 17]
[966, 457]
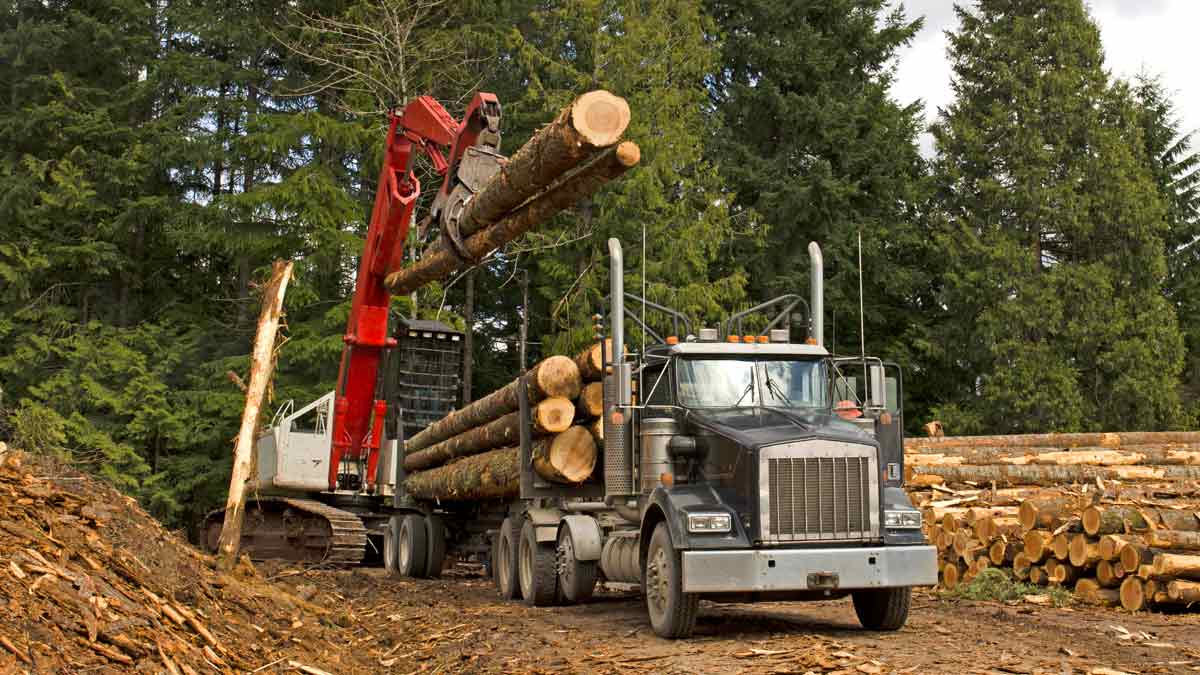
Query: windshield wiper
[749, 390]
[774, 389]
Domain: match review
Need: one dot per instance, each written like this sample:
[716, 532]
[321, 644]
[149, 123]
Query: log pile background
[1113, 517]
[474, 452]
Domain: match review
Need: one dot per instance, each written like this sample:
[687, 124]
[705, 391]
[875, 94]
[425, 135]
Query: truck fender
[673, 516]
[585, 535]
[545, 523]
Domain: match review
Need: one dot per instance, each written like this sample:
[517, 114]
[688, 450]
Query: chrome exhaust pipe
[616, 290]
[618, 394]
[817, 299]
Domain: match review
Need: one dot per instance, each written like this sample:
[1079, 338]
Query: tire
[504, 561]
[535, 567]
[576, 578]
[672, 612]
[413, 551]
[884, 608]
[435, 534]
[391, 545]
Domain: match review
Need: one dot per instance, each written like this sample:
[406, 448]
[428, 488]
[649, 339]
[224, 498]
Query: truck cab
[758, 468]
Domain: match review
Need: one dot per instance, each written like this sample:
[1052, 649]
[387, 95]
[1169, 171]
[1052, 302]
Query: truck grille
[819, 491]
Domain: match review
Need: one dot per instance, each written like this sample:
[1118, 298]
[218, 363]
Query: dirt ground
[459, 625]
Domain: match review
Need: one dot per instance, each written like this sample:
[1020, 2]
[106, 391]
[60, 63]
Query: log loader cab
[756, 468]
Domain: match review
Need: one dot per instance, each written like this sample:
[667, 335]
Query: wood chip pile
[1113, 516]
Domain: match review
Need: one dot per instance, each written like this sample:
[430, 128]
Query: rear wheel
[576, 578]
[414, 546]
[391, 545]
[504, 561]
[883, 608]
[535, 563]
[435, 532]
[672, 612]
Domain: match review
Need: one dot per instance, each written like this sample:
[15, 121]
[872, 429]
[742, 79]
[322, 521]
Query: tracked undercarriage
[302, 530]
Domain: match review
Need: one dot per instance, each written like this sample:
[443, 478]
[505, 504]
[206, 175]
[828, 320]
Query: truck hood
[757, 427]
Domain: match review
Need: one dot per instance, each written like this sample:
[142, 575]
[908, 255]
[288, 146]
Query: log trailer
[746, 467]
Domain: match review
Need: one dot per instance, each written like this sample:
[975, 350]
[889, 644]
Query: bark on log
[583, 183]
[594, 121]
[1058, 475]
[550, 416]
[1175, 565]
[1088, 591]
[1166, 454]
[1173, 539]
[1082, 552]
[1108, 440]
[591, 400]
[489, 475]
[589, 360]
[569, 457]
[1181, 521]
[1098, 520]
[261, 365]
[1182, 591]
[556, 376]
[1064, 575]
[597, 429]
[1047, 513]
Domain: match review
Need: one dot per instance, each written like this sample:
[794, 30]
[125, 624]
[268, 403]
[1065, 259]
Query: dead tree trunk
[261, 365]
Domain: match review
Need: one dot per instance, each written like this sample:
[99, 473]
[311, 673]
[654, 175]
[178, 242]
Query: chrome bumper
[809, 569]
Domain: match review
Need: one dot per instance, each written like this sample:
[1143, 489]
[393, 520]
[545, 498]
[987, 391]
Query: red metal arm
[423, 126]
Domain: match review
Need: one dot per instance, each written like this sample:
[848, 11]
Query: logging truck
[728, 465]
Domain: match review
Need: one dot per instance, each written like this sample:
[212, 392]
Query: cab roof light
[763, 339]
[748, 339]
[672, 340]
[733, 338]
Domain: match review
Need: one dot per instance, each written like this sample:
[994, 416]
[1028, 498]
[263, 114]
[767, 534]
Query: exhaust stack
[817, 300]
[618, 393]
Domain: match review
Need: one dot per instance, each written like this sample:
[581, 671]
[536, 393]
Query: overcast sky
[1155, 36]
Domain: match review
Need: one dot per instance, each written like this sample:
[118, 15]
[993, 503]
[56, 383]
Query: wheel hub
[565, 561]
[657, 581]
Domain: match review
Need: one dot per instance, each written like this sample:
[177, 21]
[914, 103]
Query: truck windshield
[728, 383]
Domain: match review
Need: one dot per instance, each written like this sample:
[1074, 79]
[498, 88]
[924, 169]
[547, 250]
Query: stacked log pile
[1115, 517]
[474, 452]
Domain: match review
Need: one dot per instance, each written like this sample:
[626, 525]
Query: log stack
[474, 452]
[1115, 516]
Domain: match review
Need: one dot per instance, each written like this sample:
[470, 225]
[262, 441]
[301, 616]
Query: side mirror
[877, 394]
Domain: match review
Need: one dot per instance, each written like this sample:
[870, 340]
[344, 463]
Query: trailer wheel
[435, 533]
[504, 561]
[672, 612]
[391, 545]
[414, 546]
[576, 578]
[535, 565]
[883, 608]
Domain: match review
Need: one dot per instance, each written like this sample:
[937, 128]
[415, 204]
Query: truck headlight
[709, 522]
[902, 520]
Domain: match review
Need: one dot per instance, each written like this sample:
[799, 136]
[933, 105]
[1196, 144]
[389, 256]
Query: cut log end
[1133, 596]
[558, 376]
[600, 117]
[554, 415]
[569, 457]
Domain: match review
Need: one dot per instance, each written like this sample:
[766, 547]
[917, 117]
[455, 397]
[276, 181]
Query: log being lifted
[594, 121]
[569, 457]
[1058, 475]
[581, 184]
[1107, 440]
[556, 376]
[551, 416]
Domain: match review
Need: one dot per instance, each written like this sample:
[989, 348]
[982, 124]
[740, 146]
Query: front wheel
[883, 608]
[672, 612]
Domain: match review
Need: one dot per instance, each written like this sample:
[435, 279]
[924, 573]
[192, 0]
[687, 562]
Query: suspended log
[1177, 565]
[1058, 475]
[585, 181]
[1133, 594]
[591, 400]
[1083, 553]
[550, 416]
[1047, 513]
[591, 365]
[1074, 440]
[1088, 591]
[1173, 539]
[556, 376]
[592, 122]
[496, 474]
[1183, 591]
[570, 457]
